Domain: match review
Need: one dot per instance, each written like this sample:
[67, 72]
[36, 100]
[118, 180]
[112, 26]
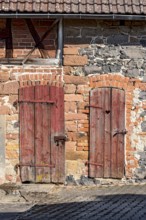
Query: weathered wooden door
[107, 130]
[42, 153]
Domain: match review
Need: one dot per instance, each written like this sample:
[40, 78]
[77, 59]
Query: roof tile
[75, 6]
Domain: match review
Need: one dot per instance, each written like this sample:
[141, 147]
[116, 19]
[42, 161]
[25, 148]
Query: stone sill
[34, 61]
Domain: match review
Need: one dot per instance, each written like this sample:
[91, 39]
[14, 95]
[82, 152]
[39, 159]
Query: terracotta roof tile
[75, 6]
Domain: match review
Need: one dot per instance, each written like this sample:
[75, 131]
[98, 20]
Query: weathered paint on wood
[27, 135]
[107, 115]
[47, 121]
[118, 124]
[57, 129]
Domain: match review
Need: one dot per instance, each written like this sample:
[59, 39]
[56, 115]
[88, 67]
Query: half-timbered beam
[9, 42]
[41, 40]
[36, 38]
[60, 41]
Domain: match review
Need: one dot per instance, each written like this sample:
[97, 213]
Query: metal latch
[59, 138]
[117, 131]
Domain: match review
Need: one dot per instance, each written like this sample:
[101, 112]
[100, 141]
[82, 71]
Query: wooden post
[9, 43]
[60, 41]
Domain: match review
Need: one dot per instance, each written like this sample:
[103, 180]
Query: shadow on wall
[114, 207]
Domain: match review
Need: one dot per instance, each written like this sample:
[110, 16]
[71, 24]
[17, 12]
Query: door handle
[60, 138]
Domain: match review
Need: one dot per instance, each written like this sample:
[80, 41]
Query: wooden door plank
[57, 129]
[61, 129]
[93, 132]
[107, 132]
[26, 134]
[121, 137]
[114, 138]
[117, 140]
[100, 133]
[42, 135]
[96, 133]
[53, 96]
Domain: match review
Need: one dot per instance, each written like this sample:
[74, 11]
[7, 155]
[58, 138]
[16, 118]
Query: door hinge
[95, 164]
[35, 165]
[117, 131]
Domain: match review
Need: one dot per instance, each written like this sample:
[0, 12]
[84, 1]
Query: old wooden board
[27, 135]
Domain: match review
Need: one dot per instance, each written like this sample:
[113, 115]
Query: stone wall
[109, 54]
[109, 47]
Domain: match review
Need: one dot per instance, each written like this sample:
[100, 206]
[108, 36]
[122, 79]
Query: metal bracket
[95, 164]
[117, 131]
[38, 101]
[35, 165]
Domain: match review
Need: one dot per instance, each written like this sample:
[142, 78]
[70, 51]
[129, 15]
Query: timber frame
[6, 34]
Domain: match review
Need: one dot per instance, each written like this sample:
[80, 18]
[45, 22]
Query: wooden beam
[41, 40]
[4, 33]
[60, 41]
[36, 38]
[9, 42]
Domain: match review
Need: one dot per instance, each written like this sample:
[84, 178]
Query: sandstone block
[69, 88]
[71, 51]
[76, 80]
[75, 60]
[5, 110]
[75, 116]
[10, 88]
[73, 98]
[70, 107]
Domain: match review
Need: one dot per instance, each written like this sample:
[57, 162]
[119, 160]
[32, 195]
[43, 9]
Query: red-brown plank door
[46, 119]
[107, 120]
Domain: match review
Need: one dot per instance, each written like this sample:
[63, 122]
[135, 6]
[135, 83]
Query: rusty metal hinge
[38, 101]
[95, 164]
[117, 131]
[35, 165]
